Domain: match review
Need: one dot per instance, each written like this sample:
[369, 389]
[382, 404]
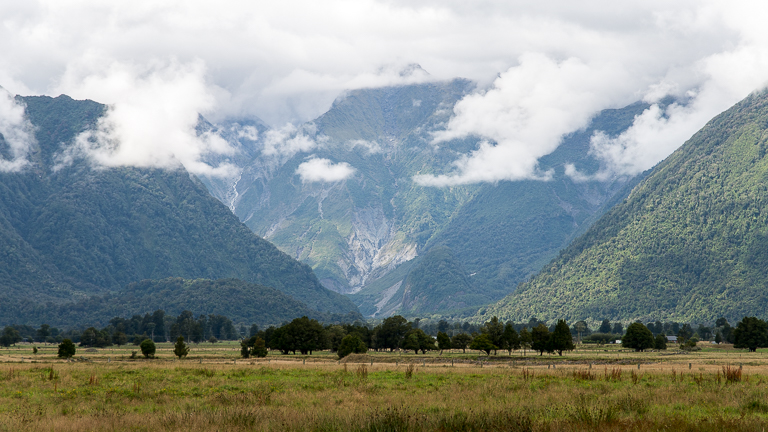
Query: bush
[638, 337]
[352, 344]
[660, 342]
[67, 349]
[147, 348]
[180, 349]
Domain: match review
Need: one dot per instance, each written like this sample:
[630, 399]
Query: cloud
[289, 140]
[324, 170]
[524, 116]
[17, 132]
[151, 118]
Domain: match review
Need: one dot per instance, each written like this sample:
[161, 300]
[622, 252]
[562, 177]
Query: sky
[543, 69]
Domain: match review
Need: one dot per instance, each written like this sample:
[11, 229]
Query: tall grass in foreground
[185, 396]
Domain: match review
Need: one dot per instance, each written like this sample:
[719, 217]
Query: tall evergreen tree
[561, 339]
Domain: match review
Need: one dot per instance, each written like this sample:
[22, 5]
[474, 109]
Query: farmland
[592, 388]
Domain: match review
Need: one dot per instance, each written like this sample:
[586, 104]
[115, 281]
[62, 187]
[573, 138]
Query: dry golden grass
[587, 390]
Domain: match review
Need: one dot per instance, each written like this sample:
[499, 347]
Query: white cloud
[324, 170]
[151, 116]
[287, 61]
[17, 132]
[287, 141]
[524, 115]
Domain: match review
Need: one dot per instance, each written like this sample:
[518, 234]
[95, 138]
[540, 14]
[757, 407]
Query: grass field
[590, 389]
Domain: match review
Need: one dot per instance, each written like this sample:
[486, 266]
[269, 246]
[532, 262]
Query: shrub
[352, 344]
[147, 348]
[67, 349]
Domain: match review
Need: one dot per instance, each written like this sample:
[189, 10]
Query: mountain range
[73, 232]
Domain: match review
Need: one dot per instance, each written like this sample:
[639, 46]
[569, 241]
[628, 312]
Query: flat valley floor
[592, 388]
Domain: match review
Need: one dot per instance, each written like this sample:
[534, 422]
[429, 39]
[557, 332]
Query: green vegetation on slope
[69, 233]
[690, 243]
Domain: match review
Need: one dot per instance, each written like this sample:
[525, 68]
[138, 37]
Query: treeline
[157, 326]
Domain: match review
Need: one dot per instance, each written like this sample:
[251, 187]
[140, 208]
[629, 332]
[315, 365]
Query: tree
[259, 348]
[638, 337]
[660, 342]
[581, 328]
[88, 338]
[119, 338]
[180, 349]
[9, 337]
[352, 343]
[540, 339]
[305, 335]
[750, 333]
[443, 341]
[495, 331]
[684, 333]
[525, 339]
[43, 332]
[67, 349]
[718, 338]
[392, 332]
[605, 327]
[461, 341]
[561, 339]
[483, 343]
[417, 340]
[147, 348]
[511, 338]
[617, 329]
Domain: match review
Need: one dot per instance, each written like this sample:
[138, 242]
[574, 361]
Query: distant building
[672, 339]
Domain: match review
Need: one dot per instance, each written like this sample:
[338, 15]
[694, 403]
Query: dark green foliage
[392, 331]
[494, 329]
[605, 326]
[461, 341]
[601, 338]
[540, 339]
[79, 231]
[751, 333]
[638, 337]
[180, 349]
[119, 338]
[684, 333]
[302, 334]
[689, 243]
[351, 344]
[147, 348]
[526, 339]
[443, 341]
[483, 343]
[561, 339]
[511, 338]
[417, 340]
[259, 348]
[660, 342]
[67, 349]
[9, 336]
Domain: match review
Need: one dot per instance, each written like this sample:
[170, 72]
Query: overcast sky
[543, 68]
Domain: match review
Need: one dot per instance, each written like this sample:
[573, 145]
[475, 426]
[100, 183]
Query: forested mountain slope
[363, 235]
[76, 231]
[690, 243]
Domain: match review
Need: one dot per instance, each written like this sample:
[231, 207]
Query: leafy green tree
[495, 331]
[245, 349]
[605, 327]
[684, 333]
[660, 342]
[483, 343]
[259, 348]
[67, 349]
[392, 332]
[561, 339]
[9, 337]
[511, 338]
[638, 337]
[526, 340]
[540, 339]
[718, 337]
[148, 348]
[43, 333]
[305, 335]
[351, 343]
[618, 329]
[581, 329]
[180, 349]
[461, 341]
[334, 335]
[119, 338]
[751, 333]
[443, 341]
[417, 340]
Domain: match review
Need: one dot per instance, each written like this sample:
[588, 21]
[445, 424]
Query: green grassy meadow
[594, 388]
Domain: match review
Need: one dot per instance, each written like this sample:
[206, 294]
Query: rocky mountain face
[690, 243]
[72, 232]
[365, 233]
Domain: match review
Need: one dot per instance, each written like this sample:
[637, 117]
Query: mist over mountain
[70, 230]
[688, 244]
[339, 194]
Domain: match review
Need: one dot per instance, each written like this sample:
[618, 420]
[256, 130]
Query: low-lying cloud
[17, 132]
[324, 170]
[151, 118]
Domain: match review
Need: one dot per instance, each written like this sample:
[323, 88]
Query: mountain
[74, 232]
[242, 302]
[365, 234]
[690, 243]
